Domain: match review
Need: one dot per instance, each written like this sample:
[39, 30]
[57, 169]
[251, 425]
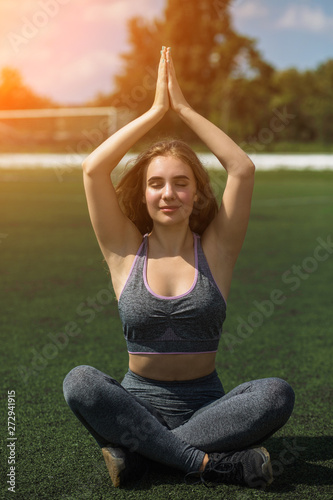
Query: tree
[14, 94]
[320, 104]
[213, 64]
[308, 96]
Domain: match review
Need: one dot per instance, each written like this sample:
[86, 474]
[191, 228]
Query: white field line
[262, 162]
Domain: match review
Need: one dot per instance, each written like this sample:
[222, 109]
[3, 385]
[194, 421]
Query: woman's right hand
[161, 101]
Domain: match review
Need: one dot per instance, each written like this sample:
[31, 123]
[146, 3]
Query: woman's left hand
[177, 99]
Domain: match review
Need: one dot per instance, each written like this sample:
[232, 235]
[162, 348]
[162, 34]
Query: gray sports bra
[188, 323]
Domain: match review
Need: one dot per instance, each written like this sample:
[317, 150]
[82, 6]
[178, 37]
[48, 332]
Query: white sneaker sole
[114, 465]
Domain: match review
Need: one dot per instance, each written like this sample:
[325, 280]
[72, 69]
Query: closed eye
[157, 182]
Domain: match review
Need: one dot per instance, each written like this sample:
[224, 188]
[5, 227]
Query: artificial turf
[57, 312]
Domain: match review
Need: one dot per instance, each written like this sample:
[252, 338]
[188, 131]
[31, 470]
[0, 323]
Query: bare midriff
[172, 367]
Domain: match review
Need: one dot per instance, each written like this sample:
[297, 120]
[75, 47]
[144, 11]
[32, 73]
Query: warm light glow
[68, 49]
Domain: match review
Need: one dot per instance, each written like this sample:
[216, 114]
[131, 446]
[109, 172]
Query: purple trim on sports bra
[164, 353]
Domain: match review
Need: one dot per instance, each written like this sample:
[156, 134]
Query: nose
[168, 192]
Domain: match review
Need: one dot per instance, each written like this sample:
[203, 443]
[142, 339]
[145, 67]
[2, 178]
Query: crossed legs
[244, 417]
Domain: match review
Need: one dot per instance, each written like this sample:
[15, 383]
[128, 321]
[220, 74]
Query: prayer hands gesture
[168, 92]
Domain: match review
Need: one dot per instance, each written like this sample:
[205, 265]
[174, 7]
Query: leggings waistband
[166, 383]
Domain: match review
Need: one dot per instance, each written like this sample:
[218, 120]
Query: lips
[169, 209]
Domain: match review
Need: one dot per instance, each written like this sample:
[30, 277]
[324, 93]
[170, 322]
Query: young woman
[171, 254]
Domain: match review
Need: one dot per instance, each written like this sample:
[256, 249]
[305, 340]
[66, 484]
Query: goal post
[110, 113]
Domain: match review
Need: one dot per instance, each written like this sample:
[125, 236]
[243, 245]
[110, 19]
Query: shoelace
[223, 472]
[217, 473]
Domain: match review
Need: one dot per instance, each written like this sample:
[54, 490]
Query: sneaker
[250, 467]
[124, 466]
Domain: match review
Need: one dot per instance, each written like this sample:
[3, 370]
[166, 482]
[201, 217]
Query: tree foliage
[14, 94]
[224, 77]
[213, 64]
[222, 74]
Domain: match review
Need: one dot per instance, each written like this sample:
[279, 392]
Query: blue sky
[289, 32]
[69, 49]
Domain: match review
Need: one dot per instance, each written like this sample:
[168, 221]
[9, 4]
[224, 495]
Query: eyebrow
[176, 177]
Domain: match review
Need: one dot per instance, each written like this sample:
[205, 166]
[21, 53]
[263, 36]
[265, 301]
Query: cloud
[88, 66]
[120, 10]
[116, 11]
[249, 10]
[305, 18]
[77, 81]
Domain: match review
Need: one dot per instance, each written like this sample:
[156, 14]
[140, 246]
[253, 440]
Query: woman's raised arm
[227, 231]
[114, 231]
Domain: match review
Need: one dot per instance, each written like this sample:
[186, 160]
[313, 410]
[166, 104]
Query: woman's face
[170, 190]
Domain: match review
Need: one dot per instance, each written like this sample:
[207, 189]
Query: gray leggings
[176, 423]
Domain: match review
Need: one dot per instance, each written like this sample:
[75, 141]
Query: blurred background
[261, 70]
[71, 73]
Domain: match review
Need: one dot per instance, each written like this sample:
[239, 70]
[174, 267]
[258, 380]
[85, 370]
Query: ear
[195, 197]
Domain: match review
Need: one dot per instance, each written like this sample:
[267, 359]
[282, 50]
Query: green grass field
[279, 323]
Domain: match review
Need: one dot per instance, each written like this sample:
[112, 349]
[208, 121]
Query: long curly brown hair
[130, 188]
